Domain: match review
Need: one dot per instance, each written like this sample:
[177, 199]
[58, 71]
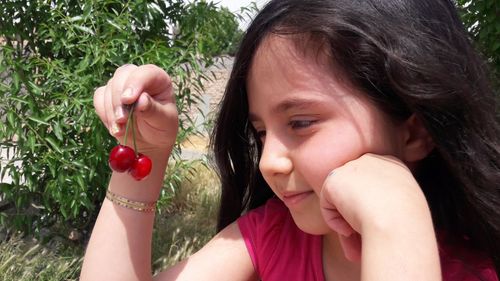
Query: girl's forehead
[298, 48]
[294, 56]
[280, 70]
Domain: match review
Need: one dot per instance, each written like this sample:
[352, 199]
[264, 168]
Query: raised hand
[149, 89]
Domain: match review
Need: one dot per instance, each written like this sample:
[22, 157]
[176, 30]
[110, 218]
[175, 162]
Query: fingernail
[114, 129]
[119, 114]
[127, 93]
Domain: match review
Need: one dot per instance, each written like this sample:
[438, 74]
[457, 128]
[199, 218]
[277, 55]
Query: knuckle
[109, 84]
[124, 67]
[156, 70]
[98, 97]
[151, 66]
[99, 91]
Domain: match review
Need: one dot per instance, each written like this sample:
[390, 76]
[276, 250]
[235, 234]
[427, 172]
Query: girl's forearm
[120, 244]
[401, 251]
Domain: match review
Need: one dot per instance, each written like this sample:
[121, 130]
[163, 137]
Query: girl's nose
[275, 158]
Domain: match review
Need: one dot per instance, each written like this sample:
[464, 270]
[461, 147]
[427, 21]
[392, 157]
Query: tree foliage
[53, 55]
[214, 31]
[482, 20]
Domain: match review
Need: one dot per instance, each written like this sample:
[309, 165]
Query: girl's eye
[300, 124]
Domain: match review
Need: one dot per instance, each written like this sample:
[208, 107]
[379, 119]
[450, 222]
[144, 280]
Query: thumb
[156, 113]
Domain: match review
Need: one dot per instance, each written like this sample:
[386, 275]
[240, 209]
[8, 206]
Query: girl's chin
[312, 227]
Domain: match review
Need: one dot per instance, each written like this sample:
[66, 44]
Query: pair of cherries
[125, 159]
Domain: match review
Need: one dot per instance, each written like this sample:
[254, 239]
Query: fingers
[99, 105]
[117, 83]
[150, 88]
[107, 101]
[332, 202]
[113, 127]
[351, 246]
[349, 239]
[147, 79]
[335, 221]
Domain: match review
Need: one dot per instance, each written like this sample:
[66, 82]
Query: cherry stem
[133, 134]
[129, 119]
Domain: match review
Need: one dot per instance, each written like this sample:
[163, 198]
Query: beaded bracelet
[146, 207]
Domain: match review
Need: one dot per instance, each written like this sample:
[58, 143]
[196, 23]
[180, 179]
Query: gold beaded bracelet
[146, 207]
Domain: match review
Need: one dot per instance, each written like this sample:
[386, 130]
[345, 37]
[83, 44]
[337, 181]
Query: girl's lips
[295, 198]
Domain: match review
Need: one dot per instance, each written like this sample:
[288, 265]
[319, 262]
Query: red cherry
[141, 167]
[121, 158]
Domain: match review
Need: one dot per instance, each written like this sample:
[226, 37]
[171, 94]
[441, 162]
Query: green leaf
[10, 119]
[52, 169]
[34, 87]
[75, 18]
[3, 86]
[54, 145]
[64, 212]
[38, 120]
[57, 130]
[79, 164]
[114, 24]
[19, 100]
[79, 179]
[84, 29]
[87, 9]
[49, 117]
[31, 142]
[6, 187]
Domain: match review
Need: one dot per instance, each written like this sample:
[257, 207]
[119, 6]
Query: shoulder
[260, 229]
[461, 262]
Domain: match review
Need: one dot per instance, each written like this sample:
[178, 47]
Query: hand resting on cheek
[373, 195]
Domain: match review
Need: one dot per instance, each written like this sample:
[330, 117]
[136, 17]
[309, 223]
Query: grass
[188, 220]
[25, 260]
[182, 226]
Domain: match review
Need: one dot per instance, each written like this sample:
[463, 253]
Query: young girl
[356, 140]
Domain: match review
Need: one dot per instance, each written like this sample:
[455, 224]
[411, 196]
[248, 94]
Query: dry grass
[182, 227]
[189, 221]
[23, 260]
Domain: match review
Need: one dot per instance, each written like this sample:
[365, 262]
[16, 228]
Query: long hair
[409, 57]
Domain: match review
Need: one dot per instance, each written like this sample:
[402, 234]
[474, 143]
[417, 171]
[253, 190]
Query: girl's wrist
[401, 246]
[145, 190]
[159, 152]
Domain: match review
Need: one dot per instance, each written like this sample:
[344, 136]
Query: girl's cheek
[315, 165]
[317, 161]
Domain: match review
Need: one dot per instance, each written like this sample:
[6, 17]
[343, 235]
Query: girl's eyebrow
[289, 104]
[296, 103]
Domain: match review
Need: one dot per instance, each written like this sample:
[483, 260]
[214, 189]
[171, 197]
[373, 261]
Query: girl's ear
[417, 141]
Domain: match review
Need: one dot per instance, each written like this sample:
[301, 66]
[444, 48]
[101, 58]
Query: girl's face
[310, 122]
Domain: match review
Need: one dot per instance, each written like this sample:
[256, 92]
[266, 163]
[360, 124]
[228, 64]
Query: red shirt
[281, 251]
